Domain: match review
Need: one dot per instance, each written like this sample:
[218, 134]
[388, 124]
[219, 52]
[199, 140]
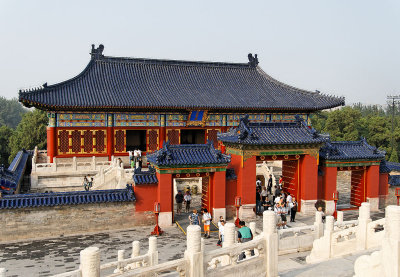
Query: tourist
[277, 194]
[283, 206]
[132, 162]
[293, 210]
[194, 218]
[264, 194]
[244, 235]
[258, 202]
[258, 184]
[221, 226]
[187, 198]
[269, 186]
[207, 222]
[91, 182]
[179, 200]
[85, 183]
[281, 182]
[323, 214]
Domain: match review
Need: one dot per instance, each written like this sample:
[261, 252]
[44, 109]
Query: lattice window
[76, 141]
[120, 141]
[88, 141]
[173, 136]
[212, 135]
[100, 141]
[63, 137]
[153, 140]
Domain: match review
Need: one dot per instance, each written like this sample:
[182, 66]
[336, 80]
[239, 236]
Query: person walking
[258, 202]
[293, 210]
[264, 194]
[187, 198]
[258, 183]
[207, 222]
[244, 235]
[221, 226]
[269, 185]
[179, 200]
[194, 218]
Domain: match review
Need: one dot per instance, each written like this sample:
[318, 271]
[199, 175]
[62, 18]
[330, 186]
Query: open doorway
[350, 185]
[135, 140]
[343, 185]
[192, 136]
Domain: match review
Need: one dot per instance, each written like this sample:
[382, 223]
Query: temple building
[120, 104]
[212, 121]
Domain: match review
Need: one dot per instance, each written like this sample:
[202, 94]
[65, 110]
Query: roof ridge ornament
[253, 61]
[97, 52]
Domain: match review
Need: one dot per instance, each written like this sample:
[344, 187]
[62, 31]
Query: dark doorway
[135, 140]
[192, 136]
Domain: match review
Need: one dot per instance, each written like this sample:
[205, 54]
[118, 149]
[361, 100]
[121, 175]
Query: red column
[51, 143]
[110, 142]
[146, 196]
[308, 178]
[161, 137]
[383, 184]
[372, 182]
[218, 189]
[246, 178]
[165, 192]
[329, 182]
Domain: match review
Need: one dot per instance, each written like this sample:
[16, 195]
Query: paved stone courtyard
[51, 256]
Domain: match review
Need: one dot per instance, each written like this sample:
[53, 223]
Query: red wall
[165, 192]
[308, 178]
[218, 189]
[146, 195]
[230, 193]
[383, 184]
[246, 178]
[372, 181]
[330, 182]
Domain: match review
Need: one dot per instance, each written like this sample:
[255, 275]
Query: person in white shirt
[264, 194]
[221, 225]
[187, 198]
[207, 221]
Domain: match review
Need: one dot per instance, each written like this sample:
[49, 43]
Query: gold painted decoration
[262, 158]
[297, 157]
[197, 174]
[286, 157]
[274, 157]
[178, 175]
[187, 174]
[207, 174]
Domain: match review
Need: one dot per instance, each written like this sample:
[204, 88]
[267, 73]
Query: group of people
[183, 198]
[135, 158]
[276, 198]
[194, 219]
[87, 183]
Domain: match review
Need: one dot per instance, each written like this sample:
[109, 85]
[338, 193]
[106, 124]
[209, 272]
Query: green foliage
[30, 132]
[343, 124]
[5, 134]
[394, 157]
[11, 112]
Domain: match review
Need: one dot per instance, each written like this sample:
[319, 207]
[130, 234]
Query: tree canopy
[11, 112]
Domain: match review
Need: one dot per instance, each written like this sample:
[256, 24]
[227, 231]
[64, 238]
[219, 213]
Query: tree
[11, 112]
[394, 157]
[343, 124]
[30, 132]
[5, 134]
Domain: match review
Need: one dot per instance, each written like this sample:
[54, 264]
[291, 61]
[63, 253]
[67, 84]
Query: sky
[347, 48]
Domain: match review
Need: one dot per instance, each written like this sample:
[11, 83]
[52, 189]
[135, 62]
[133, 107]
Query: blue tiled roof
[145, 177]
[126, 83]
[394, 180]
[272, 133]
[188, 154]
[230, 174]
[384, 168]
[348, 150]
[393, 166]
[11, 178]
[66, 198]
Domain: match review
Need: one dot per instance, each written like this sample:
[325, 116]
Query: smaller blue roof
[393, 166]
[384, 168]
[272, 133]
[394, 180]
[349, 150]
[188, 154]
[145, 177]
[11, 177]
[66, 198]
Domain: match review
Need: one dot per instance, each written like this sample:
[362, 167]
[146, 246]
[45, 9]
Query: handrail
[74, 273]
[125, 262]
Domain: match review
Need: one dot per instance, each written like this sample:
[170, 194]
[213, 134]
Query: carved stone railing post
[363, 219]
[121, 254]
[135, 252]
[94, 163]
[319, 226]
[54, 164]
[153, 252]
[271, 244]
[74, 165]
[339, 219]
[90, 262]
[193, 253]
